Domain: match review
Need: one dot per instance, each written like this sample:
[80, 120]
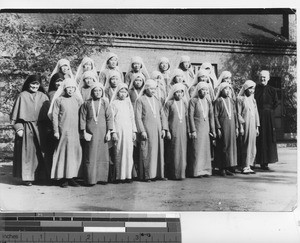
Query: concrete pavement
[275, 190]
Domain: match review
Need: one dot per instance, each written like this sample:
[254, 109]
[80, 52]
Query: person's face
[202, 78]
[70, 91]
[112, 62]
[138, 83]
[227, 79]
[226, 92]
[64, 69]
[208, 69]
[136, 66]
[185, 65]
[114, 81]
[89, 81]
[178, 79]
[159, 78]
[164, 66]
[203, 92]
[178, 95]
[122, 94]
[249, 91]
[97, 93]
[264, 78]
[151, 91]
[58, 82]
[87, 66]
[34, 87]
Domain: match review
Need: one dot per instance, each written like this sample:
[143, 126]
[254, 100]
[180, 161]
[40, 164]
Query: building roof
[204, 28]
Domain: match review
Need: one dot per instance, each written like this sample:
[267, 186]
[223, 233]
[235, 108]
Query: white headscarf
[166, 60]
[248, 84]
[150, 83]
[211, 72]
[221, 87]
[137, 59]
[120, 86]
[87, 74]
[199, 86]
[68, 82]
[105, 65]
[61, 63]
[177, 72]
[134, 77]
[98, 85]
[201, 72]
[175, 88]
[154, 76]
[188, 79]
[80, 68]
[224, 74]
[112, 73]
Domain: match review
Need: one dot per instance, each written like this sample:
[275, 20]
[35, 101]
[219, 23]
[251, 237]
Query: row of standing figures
[151, 129]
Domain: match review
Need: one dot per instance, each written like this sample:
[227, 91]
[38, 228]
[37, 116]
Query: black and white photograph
[157, 110]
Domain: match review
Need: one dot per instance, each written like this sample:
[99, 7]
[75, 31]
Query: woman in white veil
[211, 72]
[111, 63]
[186, 66]
[87, 64]
[63, 66]
[136, 66]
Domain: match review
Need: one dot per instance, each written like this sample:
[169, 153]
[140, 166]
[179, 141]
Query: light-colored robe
[124, 126]
[68, 154]
[200, 155]
[248, 117]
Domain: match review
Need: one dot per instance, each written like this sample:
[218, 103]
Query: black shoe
[128, 181]
[229, 173]
[206, 175]
[147, 180]
[102, 182]
[64, 183]
[222, 173]
[265, 167]
[27, 183]
[72, 182]
[89, 185]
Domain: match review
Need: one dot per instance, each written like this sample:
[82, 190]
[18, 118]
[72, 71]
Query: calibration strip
[90, 227]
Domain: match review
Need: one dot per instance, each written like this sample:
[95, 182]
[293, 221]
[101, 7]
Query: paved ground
[265, 191]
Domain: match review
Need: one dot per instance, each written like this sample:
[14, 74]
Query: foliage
[29, 45]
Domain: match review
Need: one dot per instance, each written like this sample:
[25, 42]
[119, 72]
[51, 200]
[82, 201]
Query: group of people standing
[108, 127]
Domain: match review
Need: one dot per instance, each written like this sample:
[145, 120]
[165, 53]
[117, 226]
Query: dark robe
[152, 150]
[226, 150]
[30, 114]
[267, 101]
[200, 147]
[176, 148]
[95, 152]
